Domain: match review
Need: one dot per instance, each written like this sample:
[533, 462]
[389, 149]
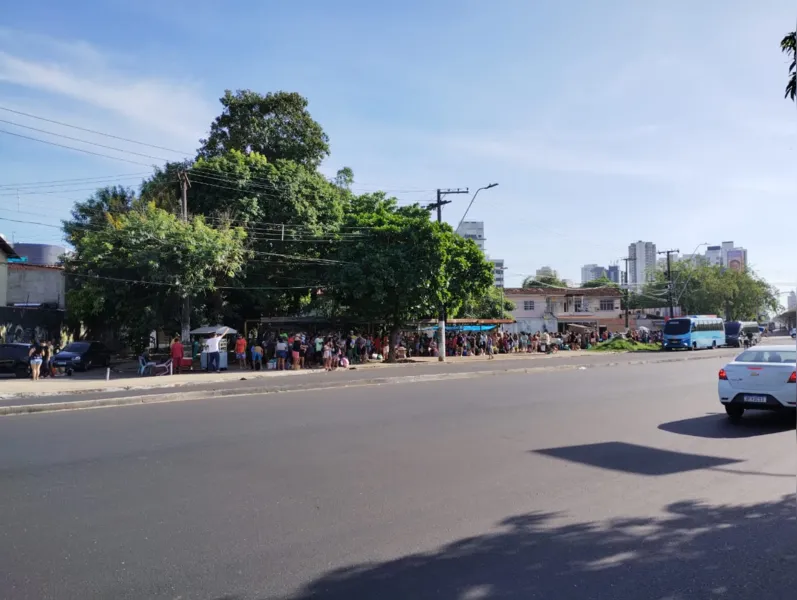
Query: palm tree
[788, 45]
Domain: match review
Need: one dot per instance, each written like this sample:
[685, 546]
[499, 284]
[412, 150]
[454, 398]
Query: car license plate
[756, 399]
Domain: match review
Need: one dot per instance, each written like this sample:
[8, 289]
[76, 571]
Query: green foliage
[92, 213]
[131, 270]
[600, 282]
[543, 282]
[619, 344]
[487, 306]
[406, 267]
[276, 125]
[707, 289]
[788, 46]
[261, 196]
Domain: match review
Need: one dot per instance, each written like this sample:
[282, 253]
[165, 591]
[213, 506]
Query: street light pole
[486, 187]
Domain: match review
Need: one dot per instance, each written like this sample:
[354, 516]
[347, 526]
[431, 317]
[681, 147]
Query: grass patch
[621, 345]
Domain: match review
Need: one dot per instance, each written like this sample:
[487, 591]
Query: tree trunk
[394, 337]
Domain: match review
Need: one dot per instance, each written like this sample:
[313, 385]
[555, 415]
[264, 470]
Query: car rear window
[768, 356]
[77, 347]
[14, 350]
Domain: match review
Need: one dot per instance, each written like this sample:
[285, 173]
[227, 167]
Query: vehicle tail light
[793, 377]
[724, 375]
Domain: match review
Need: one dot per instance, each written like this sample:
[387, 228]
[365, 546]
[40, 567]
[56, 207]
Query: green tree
[406, 268]
[788, 47]
[599, 282]
[92, 213]
[130, 272]
[293, 215]
[710, 289]
[545, 281]
[276, 125]
[493, 304]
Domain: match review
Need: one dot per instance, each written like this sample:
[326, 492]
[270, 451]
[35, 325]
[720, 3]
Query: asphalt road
[316, 378]
[618, 483]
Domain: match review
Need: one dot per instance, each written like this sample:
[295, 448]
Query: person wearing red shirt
[176, 354]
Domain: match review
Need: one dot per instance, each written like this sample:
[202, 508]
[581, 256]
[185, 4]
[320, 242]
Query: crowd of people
[331, 350]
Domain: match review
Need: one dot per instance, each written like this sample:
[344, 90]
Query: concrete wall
[28, 283]
[3, 280]
[28, 324]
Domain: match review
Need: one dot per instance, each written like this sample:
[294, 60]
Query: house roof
[542, 291]
[6, 248]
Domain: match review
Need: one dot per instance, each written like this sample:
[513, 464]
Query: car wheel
[734, 412]
[22, 374]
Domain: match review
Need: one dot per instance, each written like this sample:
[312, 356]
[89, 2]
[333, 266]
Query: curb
[210, 394]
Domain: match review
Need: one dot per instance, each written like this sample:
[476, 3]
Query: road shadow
[694, 551]
[632, 458]
[718, 426]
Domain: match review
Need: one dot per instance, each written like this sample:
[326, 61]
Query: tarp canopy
[208, 329]
[463, 328]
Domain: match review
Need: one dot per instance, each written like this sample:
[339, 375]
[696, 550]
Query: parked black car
[14, 360]
[82, 356]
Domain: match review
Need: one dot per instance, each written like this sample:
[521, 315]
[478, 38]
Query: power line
[27, 137]
[82, 141]
[61, 182]
[108, 135]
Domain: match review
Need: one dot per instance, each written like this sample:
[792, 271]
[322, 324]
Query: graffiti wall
[28, 324]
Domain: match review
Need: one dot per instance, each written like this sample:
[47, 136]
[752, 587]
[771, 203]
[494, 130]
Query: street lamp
[486, 187]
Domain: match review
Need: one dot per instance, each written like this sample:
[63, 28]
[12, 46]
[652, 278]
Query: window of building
[607, 304]
[528, 305]
[578, 305]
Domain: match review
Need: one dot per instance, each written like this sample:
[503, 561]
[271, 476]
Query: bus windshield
[733, 328]
[676, 327]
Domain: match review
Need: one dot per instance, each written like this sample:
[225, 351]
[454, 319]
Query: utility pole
[626, 287]
[441, 324]
[185, 320]
[669, 278]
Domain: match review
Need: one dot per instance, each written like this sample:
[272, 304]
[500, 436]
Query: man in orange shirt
[176, 354]
[240, 351]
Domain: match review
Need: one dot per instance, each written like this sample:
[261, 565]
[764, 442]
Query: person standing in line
[35, 354]
[240, 351]
[212, 344]
[176, 354]
[282, 353]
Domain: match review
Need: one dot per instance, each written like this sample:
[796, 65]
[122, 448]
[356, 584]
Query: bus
[736, 331]
[693, 332]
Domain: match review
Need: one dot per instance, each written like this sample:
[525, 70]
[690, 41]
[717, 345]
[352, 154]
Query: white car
[761, 378]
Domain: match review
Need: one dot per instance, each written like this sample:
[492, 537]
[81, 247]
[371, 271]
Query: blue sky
[604, 123]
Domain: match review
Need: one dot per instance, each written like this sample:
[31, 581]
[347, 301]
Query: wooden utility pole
[185, 319]
[442, 316]
[669, 278]
[626, 287]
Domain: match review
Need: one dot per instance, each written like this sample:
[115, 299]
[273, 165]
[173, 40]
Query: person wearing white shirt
[212, 345]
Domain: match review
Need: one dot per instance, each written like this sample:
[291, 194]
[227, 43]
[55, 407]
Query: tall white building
[498, 271]
[642, 263]
[545, 272]
[591, 273]
[474, 230]
[791, 300]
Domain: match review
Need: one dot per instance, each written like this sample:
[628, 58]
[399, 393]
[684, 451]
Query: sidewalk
[123, 381]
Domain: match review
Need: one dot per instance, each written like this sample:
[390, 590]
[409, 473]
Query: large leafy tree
[493, 304]
[710, 289]
[130, 271]
[406, 266]
[543, 281]
[600, 282]
[293, 216]
[789, 47]
[276, 125]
